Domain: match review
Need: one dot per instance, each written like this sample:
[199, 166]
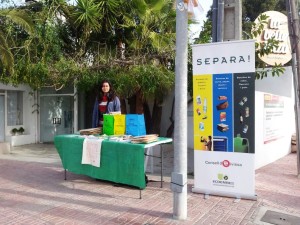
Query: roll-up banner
[224, 139]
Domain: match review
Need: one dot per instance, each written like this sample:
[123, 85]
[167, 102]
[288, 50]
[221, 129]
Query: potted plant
[14, 131]
[21, 130]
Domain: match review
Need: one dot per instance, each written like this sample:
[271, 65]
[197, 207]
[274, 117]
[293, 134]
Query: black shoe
[146, 179]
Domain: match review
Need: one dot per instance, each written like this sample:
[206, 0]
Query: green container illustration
[241, 144]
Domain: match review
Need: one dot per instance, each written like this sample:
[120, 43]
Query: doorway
[56, 116]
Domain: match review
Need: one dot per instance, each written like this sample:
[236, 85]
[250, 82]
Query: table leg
[161, 166]
[161, 162]
[149, 152]
[65, 174]
[140, 193]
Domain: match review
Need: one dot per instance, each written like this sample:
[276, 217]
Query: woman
[208, 143]
[106, 102]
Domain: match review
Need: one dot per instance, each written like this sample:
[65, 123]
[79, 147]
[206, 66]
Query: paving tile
[34, 192]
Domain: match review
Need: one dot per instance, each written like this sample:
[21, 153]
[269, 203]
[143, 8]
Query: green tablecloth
[120, 162]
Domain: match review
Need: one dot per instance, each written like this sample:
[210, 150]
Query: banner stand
[225, 194]
[224, 119]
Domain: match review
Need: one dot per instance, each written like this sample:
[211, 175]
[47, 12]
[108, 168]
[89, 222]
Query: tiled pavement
[33, 191]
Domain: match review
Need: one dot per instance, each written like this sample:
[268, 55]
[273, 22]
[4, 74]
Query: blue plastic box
[135, 124]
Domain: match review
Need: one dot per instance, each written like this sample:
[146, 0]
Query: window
[14, 108]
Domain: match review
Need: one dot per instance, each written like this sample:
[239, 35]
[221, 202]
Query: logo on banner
[223, 60]
[221, 177]
[225, 163]
[223, 180]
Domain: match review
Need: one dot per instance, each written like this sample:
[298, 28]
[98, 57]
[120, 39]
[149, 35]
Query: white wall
[270, 152]
[281, 86]
[166, 113]
[29, 118]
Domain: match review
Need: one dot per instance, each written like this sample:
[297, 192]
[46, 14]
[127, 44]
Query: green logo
[222, 176]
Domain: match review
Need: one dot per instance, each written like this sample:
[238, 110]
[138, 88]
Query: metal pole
[220, 21]
[179, 176]
[214, 20]
[293, 22]
[75, 110]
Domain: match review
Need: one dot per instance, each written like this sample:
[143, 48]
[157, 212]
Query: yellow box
[119, 124]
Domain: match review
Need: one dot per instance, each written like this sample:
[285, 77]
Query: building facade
[42, 114]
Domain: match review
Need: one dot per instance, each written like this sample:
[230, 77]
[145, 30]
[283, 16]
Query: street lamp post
[179, 176]
[293, 18]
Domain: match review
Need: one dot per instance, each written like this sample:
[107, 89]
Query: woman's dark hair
[111, 92]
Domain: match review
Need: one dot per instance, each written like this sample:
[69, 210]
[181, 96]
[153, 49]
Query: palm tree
[6, 57]
[152, 40]
[86, 16]
[8, 18]
[154, 30]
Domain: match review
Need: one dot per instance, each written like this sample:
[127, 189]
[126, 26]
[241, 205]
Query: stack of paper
[145, 138]
[91, 131]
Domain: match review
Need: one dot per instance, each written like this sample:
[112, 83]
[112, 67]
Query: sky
[196, 28]
[14, 2]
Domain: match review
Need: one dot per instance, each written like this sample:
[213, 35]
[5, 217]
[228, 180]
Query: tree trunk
[148, 119]
[132, 104]
[156, 116]
[90, 97]
[139, 108]
[170, 130]
[123, 106]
